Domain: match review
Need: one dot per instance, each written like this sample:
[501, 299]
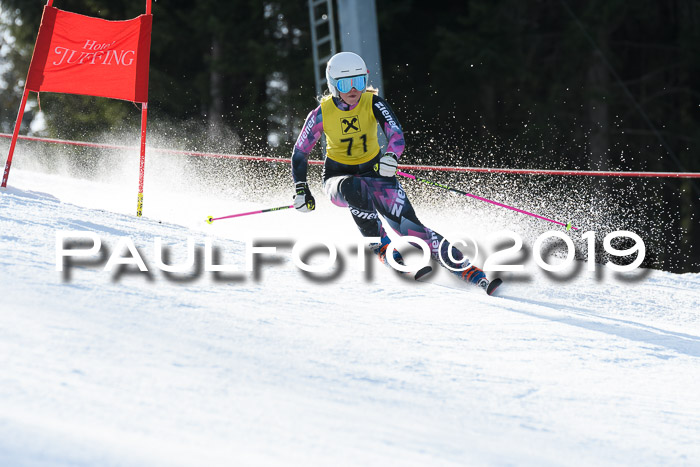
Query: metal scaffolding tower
[322, 38]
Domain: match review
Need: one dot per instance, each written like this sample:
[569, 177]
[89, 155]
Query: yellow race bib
[351, 135]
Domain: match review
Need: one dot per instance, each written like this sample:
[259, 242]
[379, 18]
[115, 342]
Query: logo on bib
[350, 125]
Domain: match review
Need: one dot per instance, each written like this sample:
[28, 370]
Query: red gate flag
[77, 54]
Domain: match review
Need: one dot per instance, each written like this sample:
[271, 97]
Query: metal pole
[142, 160]
[15, 134]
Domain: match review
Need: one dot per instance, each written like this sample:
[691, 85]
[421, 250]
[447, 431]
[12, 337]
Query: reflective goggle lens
[345, 84]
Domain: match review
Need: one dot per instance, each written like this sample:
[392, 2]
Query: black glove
[304, 201]
[387, 165]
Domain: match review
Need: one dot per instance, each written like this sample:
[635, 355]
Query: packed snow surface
[281, 367]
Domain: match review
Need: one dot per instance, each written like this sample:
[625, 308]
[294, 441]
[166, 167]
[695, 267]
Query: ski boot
[380, 249]
[476, 276]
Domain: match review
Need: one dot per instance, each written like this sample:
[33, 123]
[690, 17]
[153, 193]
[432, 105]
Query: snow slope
[127, 368]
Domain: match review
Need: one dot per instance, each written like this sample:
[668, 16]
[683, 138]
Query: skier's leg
[352, 192]
[344, 191]
[392, 203]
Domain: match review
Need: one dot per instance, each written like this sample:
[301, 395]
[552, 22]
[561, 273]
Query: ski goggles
[346, 84]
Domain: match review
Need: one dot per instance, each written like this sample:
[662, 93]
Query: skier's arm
[310, 134]
[389, 124]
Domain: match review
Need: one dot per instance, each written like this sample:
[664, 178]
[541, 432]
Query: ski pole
[439, 185]
[211, 219]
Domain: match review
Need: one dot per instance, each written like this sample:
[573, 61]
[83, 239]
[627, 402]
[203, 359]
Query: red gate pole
[15, 134]
[142, 159]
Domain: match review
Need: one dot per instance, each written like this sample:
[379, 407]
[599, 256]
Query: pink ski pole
[211, 219]
[413, 177]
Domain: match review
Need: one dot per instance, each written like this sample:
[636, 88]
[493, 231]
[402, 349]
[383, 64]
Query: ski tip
[422, 272]
[493, 285]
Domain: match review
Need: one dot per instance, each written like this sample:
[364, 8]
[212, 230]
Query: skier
[355, 173]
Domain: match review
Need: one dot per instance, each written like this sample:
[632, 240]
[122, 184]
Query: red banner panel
[77, 54]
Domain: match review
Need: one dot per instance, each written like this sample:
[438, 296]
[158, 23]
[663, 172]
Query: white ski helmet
[344, 65]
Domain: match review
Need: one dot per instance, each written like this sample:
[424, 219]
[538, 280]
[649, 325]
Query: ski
[493, 285]
[416, 275]
[425, 270]
[488, 287]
